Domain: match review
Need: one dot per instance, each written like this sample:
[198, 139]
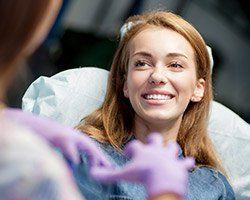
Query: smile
[157, 97]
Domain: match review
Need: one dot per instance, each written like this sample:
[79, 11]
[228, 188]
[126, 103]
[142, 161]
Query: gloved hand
[154, 165]
[68, 140]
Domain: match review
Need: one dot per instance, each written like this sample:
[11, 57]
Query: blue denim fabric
[203, 183]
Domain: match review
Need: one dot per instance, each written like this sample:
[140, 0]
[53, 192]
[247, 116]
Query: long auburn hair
[113, 121]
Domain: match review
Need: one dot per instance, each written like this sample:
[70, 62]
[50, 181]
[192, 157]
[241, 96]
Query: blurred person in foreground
[27, 162]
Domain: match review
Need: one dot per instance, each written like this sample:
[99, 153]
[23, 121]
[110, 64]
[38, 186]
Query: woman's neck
[169, 130]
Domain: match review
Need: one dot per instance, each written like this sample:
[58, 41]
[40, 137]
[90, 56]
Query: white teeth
[157, 97]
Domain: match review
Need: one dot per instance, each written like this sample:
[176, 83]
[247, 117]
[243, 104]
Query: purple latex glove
[67, 139]
[154, 165]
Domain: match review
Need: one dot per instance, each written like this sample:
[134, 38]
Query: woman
[160, 81]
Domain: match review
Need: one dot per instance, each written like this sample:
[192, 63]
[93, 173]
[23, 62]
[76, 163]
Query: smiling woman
[160, 81]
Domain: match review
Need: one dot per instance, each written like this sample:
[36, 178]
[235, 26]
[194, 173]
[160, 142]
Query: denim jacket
[203, 183]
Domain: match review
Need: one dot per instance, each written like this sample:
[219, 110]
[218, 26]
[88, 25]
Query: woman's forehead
[160, 40]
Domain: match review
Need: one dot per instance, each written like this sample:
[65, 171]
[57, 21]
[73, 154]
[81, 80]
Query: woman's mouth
[157, 97]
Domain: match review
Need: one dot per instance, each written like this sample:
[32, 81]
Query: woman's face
[161, 79]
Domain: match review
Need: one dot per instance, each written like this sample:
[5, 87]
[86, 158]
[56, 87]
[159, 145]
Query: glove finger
[132, 147]
[98, 159]
[91, 150]
[110, 175]
[155, 138]
[102, 174]
[71, 152]
[172, 148]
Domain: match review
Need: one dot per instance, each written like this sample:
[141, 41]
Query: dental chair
[72, 94]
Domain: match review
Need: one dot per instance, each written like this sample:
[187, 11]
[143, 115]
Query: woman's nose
[158, 76]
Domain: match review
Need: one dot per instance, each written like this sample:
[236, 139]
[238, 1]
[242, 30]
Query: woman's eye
[176, 65]
[140, 63]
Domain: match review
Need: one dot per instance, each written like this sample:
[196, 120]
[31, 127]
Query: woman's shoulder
[209, 175]
[210, 184]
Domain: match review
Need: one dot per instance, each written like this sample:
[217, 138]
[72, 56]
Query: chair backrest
[72, 94]
[67, 96]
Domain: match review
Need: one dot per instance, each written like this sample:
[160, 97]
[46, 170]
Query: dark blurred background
[85, 34]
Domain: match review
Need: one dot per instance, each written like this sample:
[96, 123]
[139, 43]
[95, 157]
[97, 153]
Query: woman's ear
[199, 90]
[125, 89]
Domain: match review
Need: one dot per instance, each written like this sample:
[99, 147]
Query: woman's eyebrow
[174, 55]
[142, 53]
[169, 55]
